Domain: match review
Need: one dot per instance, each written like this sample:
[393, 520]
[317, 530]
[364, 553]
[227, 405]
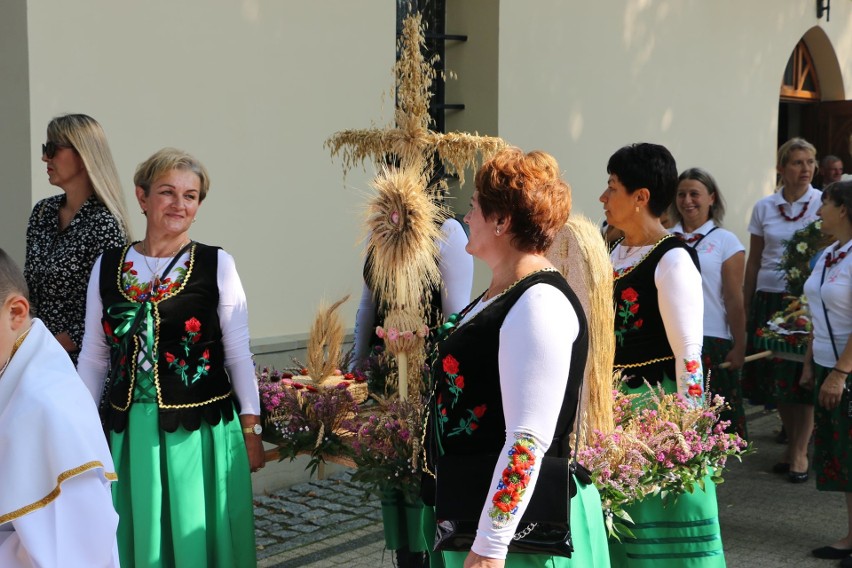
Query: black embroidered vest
[642, 350]
[467, 407]
[189, 373]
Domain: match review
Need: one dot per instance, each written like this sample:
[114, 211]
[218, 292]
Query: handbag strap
[825, 311]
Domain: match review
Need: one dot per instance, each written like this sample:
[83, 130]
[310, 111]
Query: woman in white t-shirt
[773, 221]
[829, 357]
[699, 210]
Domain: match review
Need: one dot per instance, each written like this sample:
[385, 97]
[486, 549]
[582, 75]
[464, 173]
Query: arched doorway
[811, 101]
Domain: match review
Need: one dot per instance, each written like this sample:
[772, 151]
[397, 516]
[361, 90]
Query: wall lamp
[824, 7]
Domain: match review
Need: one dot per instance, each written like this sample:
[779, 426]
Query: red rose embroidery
[629, 295]
[170, 358]
[206, 354]
[634, 308]
[451, 366]
[460, 382]
[692, 365]
[192, 325]
[479, 410]
[473, 425]
[695, 390]
[638, 323]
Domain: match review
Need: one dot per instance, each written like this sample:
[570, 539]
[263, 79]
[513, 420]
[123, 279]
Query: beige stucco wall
[253, 88]
[702, 78]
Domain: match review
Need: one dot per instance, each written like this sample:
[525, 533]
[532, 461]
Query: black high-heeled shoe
[797, 476]
[831, 553]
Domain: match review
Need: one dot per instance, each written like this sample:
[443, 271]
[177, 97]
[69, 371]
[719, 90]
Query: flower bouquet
[301, 418]
[788, 330]
[386, 445]
[800, 254]
[660, 446]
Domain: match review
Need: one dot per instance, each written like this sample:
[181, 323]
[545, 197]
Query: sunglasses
[50, 148]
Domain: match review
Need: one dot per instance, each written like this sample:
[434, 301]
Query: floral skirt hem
[725, 383]
[832, 434]
[770, 380]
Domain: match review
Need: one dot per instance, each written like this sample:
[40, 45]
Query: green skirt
[771, 380]
[184, 499]
[681, 533]
[725, 382]
[587, 533]
[832, 455]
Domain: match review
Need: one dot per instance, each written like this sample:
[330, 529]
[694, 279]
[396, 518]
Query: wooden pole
[750, 358]
[402, 364]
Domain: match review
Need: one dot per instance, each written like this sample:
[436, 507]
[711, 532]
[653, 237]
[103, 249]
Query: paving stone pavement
[766, 521]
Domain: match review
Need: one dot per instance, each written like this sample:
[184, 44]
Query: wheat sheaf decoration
[411, 141]
[579, 252]
[325, 340]
[403, 225]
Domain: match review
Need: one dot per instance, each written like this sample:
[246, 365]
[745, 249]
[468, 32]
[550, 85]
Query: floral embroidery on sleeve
[514, 481]
[693, 381]
[627, 310]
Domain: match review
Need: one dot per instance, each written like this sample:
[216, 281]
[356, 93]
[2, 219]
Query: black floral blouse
[59, 263]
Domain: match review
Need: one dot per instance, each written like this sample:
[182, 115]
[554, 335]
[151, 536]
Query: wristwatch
[257, 430]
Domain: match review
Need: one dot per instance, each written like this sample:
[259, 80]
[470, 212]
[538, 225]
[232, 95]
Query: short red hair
[529, 189]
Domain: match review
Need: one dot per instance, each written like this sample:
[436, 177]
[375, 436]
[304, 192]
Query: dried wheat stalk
[325, 341]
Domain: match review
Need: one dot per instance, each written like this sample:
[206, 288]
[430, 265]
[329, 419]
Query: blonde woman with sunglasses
[67, 232]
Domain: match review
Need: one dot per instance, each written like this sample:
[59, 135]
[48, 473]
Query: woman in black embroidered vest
[506, 379]
[167, 322]
[67, 232]
[658, 329]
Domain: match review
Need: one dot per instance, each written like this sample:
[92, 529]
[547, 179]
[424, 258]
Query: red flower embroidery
[629, 295]
[206, 354]
[451, 366]
[692, 365]
[473, 425]
[695, 390]
[638, 323]
[192, 325]
[126, 266]
[505, 500]
[460, 381]
[634, 308]
[523, 458]
[182, 363]
[170, 358]
[479, 410]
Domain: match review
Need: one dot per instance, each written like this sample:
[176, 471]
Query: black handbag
[463, 486]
